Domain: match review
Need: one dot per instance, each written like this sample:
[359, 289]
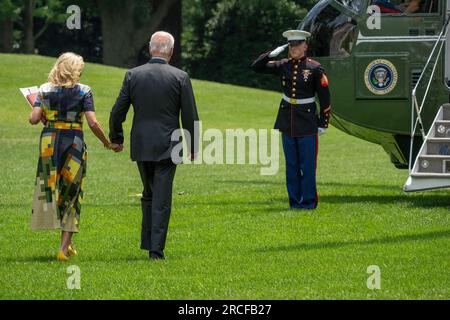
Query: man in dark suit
[158, 92]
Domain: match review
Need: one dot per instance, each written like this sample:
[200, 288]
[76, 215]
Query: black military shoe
[156, 256]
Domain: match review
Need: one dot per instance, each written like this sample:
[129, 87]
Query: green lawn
[231, 234]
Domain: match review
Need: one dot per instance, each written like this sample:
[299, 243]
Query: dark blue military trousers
[301, 163]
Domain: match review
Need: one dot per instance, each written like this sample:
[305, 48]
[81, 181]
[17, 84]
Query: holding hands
[113, 146]
[116, 147]
[99, 133]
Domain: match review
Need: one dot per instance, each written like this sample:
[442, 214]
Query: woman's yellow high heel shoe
[61, 256]
[72, 250]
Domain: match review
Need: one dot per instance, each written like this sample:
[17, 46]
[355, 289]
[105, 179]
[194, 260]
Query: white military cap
[296, 35]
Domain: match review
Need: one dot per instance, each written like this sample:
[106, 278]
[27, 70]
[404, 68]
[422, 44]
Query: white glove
[278, 50]
[322, 131]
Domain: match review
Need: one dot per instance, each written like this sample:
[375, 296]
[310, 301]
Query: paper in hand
[30, 94]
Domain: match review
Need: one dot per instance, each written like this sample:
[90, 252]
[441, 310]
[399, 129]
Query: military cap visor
[296, 42]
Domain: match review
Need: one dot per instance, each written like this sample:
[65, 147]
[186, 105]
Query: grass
[231, 234]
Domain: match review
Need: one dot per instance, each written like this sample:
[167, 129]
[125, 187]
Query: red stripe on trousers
[317, 153]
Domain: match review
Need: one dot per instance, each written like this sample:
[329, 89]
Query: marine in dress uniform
[298, 118]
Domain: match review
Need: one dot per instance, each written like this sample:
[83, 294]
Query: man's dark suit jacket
[158, 93]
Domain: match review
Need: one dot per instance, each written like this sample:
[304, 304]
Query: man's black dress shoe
[156, 256]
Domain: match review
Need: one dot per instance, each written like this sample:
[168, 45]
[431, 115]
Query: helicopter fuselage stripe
[363, 39]
[397, 40]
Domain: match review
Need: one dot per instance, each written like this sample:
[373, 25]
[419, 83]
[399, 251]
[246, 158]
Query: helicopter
[389, 63]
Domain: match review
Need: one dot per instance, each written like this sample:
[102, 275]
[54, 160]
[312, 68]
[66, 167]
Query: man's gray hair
[162, 42]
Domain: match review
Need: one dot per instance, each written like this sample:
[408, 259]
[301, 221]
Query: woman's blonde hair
[67, 70]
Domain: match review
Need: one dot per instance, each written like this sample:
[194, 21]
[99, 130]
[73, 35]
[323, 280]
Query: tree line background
[219, 38]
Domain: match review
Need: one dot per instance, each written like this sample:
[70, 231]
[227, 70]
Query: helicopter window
[354, 5]
[407, 6]
[333, 33]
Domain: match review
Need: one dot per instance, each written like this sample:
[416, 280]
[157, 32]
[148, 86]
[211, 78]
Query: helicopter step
[431, 168]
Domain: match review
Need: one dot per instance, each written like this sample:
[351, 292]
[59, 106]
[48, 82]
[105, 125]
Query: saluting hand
[278, 50]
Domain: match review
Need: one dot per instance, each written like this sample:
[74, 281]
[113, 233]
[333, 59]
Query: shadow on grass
[28, 259]
[249, 182]
[413, 200]
[396, 195]
[422, 201]
[364, 186]
[323, 184]
[116, 258]
[81, 259]
[382, 241]
[281, 204]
